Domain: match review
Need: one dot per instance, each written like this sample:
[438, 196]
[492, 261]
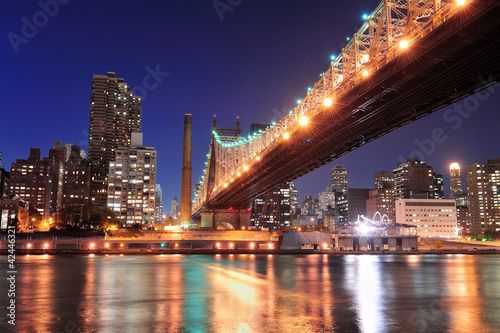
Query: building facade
[414, 178]
[132, 183]
[432, 217]
[275, 210]
[30, 180]
[483, 187]
[114, 114]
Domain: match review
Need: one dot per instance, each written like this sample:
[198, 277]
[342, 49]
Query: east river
[255, 293]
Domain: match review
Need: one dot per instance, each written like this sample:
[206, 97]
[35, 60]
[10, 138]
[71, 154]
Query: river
[256, 293]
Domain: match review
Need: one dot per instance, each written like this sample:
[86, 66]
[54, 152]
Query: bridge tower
[213, 216]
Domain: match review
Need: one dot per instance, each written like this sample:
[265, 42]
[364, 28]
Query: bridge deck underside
[450, 63]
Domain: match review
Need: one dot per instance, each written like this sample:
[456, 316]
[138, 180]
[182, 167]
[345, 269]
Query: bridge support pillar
[214, 217]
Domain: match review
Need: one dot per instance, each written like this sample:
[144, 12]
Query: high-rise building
[463, 220]
[414, 178]
[483, 189]
[432, 217]
[76, 184]
[275, 210]
[31, 181]
[132, 183]
[339, 179]
[56, 161]
[114, 114]
[455, 181]
[158, 203]
[174, 208]
[384, 179]
[381, 199]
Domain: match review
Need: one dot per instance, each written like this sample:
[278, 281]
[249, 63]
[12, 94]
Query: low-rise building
[432, 217]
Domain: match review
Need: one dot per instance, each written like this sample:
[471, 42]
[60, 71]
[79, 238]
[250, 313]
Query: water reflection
[257, 293]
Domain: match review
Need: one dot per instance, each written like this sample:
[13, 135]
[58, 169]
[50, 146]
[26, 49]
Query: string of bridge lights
[304, 120]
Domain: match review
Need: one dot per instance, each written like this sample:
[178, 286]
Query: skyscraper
[132, 183]
[414, 178]
[276, 209]
[174, 208]
[114, 114]
[339, 179]
[483, 189]
[381, 199]
[455, 180]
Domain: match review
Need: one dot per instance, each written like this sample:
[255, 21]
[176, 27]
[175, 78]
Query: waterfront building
[339, 179]
[414, 178]
[76, 183]
[275, 210]
[114, 114]
[381, 199]
[483, 190]
[132, 183]
[455, 181]
[432, 217]
[30, 180]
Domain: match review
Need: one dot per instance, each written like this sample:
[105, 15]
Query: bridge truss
[353, 92]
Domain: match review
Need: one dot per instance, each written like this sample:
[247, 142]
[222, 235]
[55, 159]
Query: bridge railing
[387, 33]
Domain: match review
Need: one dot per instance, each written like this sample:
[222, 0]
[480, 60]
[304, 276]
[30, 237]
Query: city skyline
[175, 71]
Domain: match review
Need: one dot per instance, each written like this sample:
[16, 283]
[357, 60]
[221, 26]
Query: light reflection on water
[258, 293]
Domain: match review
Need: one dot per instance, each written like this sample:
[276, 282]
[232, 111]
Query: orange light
[303, 121]
[327, 102]
[455, 166]
[245, 167]
[46, 245]
[107, 245]
[258, 158]
[92, 245]
[121, 245]
[270, 245]
[29, 245]
[231, 245]
[460, 2]
[252, 245]
[242, 228]
[365, 73]
[403, 44]
[238, 174]
[176, 244]
[217, 245]
[286, 136]
[225, 185]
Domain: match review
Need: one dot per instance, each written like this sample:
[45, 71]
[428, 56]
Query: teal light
[365, 16]
[299, 101]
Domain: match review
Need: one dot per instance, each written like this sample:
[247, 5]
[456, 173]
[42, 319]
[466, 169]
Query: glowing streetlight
[327, 102]
[365, 73]
[403, 44]
[92, 245]
[460, 2]
[252, 245]
[286, 136]
[29, 245]
[231, 245]
[303, 121]
[245, 168]
[217, 245]
[106, 245]
[270, 245]
[46, 245]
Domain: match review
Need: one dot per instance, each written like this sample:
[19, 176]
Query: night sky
[254, 63]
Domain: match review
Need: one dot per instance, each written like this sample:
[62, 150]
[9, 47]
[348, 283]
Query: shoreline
[242, 251]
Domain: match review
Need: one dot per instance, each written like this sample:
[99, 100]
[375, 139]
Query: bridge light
[231, 180]
[403, 45]
[286, 136]
[299, 101]
[231, 245]
[332, 57]
[365, 16]
[225, 185]
[340, 78]
[245, 167]
[309, 88]
[460, 2]
[252, 245]
[258, 158]
[327, 102]
[46, 245]
[238, 174]
[365, 73]
[303, 121]
[365, 58]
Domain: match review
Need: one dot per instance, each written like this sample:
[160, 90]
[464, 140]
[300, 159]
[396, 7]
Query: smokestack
[186, 196]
